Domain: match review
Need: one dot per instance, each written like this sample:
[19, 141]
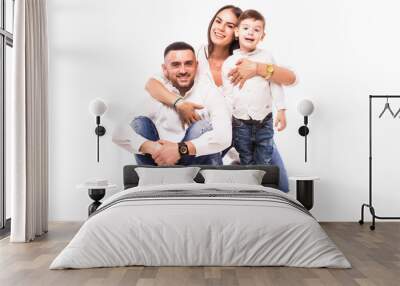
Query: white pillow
[248, 177]
[166, 176]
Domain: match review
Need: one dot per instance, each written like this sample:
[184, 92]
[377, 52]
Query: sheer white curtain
[28, 158]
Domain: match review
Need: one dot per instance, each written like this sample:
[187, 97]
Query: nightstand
[96, 193]
[305, 190]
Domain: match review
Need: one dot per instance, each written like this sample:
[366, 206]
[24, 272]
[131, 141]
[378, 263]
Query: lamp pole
[100, 131]
[305, 108]
[303, 131]
[98, 144]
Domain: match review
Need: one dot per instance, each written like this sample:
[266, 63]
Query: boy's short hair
[178, 46]
[251, 14]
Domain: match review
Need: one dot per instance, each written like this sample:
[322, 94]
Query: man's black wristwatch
[183, 149]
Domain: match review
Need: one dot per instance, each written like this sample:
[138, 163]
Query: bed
[201, 224]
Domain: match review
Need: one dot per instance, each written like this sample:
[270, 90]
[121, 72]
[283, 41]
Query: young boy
[252, 127]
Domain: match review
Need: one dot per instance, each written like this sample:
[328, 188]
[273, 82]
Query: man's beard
[182, 89]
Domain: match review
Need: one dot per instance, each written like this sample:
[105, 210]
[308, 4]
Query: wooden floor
[374, 255]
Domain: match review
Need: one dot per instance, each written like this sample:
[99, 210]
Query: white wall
[342, 51]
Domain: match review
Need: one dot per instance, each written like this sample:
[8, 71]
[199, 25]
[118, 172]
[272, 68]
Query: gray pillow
[248, 177]
[164, 176]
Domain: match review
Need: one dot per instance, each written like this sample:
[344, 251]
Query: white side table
[96, 193]
[305, 190]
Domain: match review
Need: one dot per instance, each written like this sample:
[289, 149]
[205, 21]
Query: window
[6, 44]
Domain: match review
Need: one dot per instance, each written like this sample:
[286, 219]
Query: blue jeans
[145, 127]
[267, 153]
[276, 160]
[254, 142]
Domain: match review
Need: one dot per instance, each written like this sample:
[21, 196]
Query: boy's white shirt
[254, 100]
[169, 125]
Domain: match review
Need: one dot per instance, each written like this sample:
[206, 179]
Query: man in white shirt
[159, 137]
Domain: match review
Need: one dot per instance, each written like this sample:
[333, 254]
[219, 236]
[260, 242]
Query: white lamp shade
[305, 107]
[97, 107]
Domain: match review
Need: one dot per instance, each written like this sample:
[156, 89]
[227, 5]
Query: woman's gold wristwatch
[269, 70]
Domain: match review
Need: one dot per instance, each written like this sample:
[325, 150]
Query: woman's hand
[244, 70]
[280, 120]
[187, 111]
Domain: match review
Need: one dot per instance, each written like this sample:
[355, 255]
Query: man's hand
[150, 147]
[280, 120]
[187, 111]
[244, 70]
[167, 154]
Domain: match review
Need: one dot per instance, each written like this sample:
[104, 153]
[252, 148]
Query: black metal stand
[369, 205]
[96, 195]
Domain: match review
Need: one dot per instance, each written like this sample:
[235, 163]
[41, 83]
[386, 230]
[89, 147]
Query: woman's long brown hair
[235, 43]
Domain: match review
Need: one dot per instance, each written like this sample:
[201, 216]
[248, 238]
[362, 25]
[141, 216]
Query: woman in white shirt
[221, 43]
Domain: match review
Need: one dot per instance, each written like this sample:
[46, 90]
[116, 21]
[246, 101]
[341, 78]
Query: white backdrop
[341, 50]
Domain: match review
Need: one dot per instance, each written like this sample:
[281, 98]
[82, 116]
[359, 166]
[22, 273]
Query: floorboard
[374, 255]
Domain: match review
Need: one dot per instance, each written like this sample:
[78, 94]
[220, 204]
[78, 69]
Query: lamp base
[100, 130]
[303, 130]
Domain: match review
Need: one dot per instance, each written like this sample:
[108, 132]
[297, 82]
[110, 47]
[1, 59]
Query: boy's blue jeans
[254, 142]
[145, 127]
[255, 145]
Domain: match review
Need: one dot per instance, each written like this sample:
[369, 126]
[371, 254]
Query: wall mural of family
[213, 105]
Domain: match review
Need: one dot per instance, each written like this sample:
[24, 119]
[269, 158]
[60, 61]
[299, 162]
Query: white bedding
[181, 231]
